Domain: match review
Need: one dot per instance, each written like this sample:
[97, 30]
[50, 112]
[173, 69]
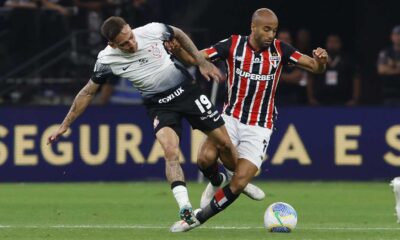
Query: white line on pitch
[203, 227]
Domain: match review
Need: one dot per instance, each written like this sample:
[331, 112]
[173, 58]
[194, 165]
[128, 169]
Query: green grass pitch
[333, 210]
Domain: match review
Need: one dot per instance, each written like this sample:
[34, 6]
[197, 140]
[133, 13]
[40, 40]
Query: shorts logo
[265, 145]
[211, 115]
[216, 118]
[168, 98]
[156, 122]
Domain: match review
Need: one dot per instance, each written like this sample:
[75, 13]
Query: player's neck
[253, 44]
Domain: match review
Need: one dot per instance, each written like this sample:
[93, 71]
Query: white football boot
[254, 192]
[251, 190]
[183, 226]
[395, 183]
[210, 191]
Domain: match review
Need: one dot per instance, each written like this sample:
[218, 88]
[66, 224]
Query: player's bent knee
[202, 160]
[171, 152]
[206, 158]
[224, 144]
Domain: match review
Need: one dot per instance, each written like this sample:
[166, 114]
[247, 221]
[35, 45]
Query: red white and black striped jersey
[253, 77]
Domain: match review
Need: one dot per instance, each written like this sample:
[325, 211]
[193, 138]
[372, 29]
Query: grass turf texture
[334, 210]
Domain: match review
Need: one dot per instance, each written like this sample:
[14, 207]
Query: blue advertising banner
[117, 143]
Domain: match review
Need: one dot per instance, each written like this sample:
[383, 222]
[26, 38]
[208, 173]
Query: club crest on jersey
[156, 122]
[155, 51]
[274, 60]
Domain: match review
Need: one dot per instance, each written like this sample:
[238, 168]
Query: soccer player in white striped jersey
[254, 66]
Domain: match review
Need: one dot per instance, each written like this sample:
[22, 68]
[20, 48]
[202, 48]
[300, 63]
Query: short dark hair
[112, 27]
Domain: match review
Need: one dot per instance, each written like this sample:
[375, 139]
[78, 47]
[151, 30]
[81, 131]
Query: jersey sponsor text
[254, 76]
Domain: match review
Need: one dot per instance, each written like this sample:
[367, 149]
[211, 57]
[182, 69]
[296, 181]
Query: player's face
[264, 31]
[125, 40]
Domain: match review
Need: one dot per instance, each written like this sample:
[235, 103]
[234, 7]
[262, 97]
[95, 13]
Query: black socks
[212, 174]
[221, 200]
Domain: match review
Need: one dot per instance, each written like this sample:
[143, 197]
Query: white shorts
[251, 141]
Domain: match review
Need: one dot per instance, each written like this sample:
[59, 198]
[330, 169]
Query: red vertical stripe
[243, 83]
[255, 111]
[231, 59]
[275, 83]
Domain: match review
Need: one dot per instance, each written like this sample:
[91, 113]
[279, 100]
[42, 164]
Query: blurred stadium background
[343, 125]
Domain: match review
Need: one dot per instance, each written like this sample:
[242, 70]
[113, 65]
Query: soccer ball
[280, 217]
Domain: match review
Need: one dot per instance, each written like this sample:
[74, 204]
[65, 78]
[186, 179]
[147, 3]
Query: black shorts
[184, 101]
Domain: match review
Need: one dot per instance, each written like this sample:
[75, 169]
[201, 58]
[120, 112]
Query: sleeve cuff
[295, 56]
[170, 31]
[211, 52]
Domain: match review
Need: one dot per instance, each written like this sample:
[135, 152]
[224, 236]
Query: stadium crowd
[41, 41]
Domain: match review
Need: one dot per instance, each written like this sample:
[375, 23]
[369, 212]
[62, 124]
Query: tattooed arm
[207, 69]
[82, 100]
[175, 48]
[187, 44]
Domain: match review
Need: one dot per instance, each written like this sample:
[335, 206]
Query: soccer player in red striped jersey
[254, 66]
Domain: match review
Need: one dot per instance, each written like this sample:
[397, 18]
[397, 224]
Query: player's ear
[253, 27]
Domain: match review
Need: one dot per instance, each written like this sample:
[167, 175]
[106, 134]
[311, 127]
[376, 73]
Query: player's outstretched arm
[81, 101]
[175, 48]
[317, 64]
[207, 69]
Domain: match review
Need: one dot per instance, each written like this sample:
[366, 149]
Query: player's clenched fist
[320, 55]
